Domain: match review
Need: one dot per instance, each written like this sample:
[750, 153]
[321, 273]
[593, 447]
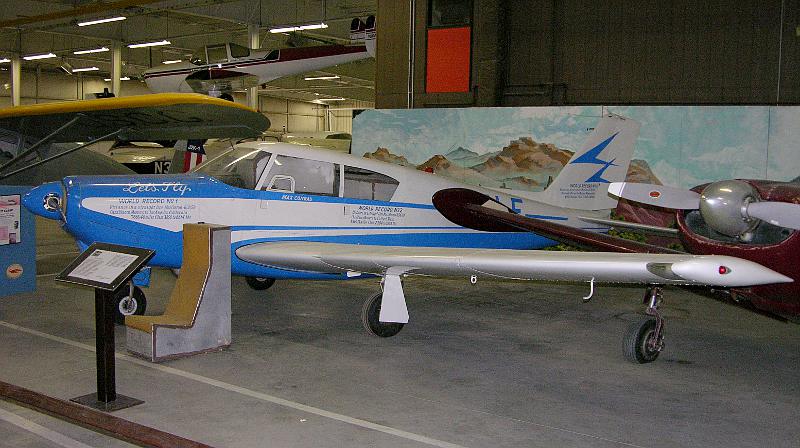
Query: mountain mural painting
[523, 164]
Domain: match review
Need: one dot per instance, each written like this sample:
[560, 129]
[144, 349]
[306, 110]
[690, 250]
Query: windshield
[199, 57]
[239, 167]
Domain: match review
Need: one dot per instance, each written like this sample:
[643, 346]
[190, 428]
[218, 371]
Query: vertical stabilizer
[603, 158]
[365, 32]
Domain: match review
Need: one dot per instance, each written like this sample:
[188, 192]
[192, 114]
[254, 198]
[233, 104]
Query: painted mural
[520, 148]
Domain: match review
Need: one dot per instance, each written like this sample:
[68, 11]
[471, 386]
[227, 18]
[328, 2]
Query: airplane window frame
[217, 47]
[268, 175]
[279, 177]
[273, 55]
[258, 172]
[232, 46]
[199, 57]
[385, 198]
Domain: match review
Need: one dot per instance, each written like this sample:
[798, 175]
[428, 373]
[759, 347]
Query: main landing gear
[129, 301]
[644, 339]
[260, 283]
[370, 318]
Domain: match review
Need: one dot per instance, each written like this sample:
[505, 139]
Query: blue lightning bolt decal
[591, 157]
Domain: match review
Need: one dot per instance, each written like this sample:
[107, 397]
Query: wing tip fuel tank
[720, 270]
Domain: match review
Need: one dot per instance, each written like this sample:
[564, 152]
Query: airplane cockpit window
[199, 57]
[273, 55]
[217, 53]
[238, 51]
[296, 175]
[239, 167]
[360, 183]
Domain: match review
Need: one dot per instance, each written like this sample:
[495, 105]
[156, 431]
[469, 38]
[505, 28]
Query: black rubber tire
[135, 305]
[634, 345]
[369, 317]
[260, 283]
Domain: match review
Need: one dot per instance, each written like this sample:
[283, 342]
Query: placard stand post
[107, 268]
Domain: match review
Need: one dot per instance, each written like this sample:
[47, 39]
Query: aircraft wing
[676, 269]
[166, 116]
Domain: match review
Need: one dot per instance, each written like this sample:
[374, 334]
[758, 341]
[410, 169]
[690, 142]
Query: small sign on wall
[17, 245]
[449, 60]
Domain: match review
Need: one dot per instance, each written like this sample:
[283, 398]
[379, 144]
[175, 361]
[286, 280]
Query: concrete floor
[497, 364]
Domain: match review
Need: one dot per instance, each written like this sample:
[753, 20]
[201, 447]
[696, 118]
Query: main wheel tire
[370, 314]
[260, 283]
[636, 345]
[127, 305]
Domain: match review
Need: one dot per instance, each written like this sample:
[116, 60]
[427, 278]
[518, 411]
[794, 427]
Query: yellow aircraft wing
[166, 116]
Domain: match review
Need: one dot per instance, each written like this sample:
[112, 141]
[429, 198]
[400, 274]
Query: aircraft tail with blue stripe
[604, 158]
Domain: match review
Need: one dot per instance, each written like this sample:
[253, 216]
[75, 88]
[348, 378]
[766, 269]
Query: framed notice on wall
[10, 219]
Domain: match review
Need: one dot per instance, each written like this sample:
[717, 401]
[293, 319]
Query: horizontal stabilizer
[476, 211]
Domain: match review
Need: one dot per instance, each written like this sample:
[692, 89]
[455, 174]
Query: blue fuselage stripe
[555, 218]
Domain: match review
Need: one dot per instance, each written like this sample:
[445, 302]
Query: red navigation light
[724, 270]
[655, 194]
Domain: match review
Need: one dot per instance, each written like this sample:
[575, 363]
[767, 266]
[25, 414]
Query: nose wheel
[644, 338]
[129, 301]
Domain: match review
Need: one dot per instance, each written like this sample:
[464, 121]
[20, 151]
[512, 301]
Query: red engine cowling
[782, 256]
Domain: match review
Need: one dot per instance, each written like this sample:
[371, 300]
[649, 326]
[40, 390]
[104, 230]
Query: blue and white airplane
[301, 213]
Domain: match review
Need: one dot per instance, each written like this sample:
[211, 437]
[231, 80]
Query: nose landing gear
[644, 339]
[129, 301]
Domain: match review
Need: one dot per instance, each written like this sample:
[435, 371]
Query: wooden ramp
[198, 315]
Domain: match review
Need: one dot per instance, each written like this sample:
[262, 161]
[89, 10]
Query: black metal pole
[104, 339]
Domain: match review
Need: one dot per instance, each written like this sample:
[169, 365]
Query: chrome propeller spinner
[730, 207]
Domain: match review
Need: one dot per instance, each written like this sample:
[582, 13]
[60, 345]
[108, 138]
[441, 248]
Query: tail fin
[603, 158]
[188, 154]
[364, 32]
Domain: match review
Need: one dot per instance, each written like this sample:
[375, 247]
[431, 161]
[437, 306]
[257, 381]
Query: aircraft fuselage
[149, 211]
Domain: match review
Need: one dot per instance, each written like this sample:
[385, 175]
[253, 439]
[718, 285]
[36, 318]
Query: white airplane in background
[297, 212]
[217, 70]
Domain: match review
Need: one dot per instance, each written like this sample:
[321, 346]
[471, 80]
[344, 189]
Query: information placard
[105, 266]
[10, 219]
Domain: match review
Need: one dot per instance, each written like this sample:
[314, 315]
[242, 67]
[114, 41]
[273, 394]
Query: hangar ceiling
[29, 27]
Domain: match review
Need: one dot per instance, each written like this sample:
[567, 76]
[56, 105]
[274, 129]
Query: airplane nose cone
[46, 200]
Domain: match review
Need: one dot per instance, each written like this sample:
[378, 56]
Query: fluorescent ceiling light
[312, 78]
[93, 50]
[150, 44]
[332, 99]
[85, 69]
[124, 78]
[4, 60]
[173, 61]
[289, 29]
[34, 57]
[95, 22]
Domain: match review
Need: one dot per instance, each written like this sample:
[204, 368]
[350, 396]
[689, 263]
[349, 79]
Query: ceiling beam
[74, 12]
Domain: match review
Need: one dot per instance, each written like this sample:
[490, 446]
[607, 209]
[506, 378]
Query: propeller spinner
[730, 207]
